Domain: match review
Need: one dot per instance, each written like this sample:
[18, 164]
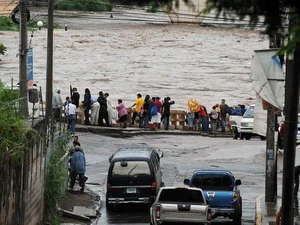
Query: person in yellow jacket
[218, 119]
[138, 106]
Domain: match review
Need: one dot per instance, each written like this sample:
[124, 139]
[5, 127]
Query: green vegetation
[2, 49]
[83, 5]
[7, 24]
[56, 180]
[275, 14]
[14, 135]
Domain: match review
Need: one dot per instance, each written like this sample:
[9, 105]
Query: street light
[40, 24]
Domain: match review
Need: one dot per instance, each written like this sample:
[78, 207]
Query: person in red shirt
[156, 118]
[203, 115]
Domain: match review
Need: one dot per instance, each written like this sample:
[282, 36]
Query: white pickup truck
[180, 205]
[242, 126]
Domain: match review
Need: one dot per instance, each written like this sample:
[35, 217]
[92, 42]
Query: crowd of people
[150, 111]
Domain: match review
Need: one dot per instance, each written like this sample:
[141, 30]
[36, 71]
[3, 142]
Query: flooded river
[135, 52]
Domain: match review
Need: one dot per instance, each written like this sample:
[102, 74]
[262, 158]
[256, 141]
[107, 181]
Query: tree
[2, 49]
[275, 13]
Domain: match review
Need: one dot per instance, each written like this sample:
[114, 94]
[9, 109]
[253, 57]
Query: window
[181, 195]
[131, 168]
[213, 182]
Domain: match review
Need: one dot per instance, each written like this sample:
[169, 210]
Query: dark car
[134, 176]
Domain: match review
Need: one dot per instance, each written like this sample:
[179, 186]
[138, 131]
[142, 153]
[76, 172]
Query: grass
[56, 178]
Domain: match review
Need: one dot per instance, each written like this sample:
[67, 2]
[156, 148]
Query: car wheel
[237, 217]
[109, 206]
[262, 138]
[247, 136]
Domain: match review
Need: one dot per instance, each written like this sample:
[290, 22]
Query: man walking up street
[77, 167]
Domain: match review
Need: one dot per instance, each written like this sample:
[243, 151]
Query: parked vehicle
[134, 176]
[220, 191]
[180, 204]
[242, 126]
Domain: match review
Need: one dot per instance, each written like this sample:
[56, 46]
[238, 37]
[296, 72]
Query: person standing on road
[57, 105]
[109, 109]
[70, 111]
[156, 118]
[122, 113]
[213, 115]
[204, 118]
[103, 109]
[95, 107]
[78, 167]
[87, 106]
[138, 106]
[145, 112]
[224, 109]
[166, 112]
[75, 97]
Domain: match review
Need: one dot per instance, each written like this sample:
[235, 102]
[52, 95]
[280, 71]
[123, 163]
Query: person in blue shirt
[77, 167]
[239, 111]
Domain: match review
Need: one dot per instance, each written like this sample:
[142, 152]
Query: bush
[2, 49]
[56, 178]
[6, 23]
[83, 5]
[14, 135]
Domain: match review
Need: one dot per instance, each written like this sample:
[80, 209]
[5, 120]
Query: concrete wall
[182, 13]
[22, 185]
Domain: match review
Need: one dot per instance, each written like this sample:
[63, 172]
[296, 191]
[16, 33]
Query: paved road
[182, 155]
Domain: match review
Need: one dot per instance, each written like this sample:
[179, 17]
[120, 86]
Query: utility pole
[271, 154]
[270, 189]
[49, 76]
[291, 120]
[23, 51]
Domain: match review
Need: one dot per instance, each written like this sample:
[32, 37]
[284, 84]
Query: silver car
[180, 205]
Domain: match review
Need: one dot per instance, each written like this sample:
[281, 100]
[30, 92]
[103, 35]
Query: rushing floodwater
[124, 58]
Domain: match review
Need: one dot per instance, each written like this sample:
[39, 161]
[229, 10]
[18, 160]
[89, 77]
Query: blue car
[221, 193]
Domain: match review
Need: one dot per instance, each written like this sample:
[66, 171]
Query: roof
[7, 6]
[213, 172]
[133, 152]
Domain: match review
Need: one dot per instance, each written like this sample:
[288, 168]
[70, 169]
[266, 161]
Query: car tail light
[157, 212]
[109, 187]
[209, 214]
[153, 186]
[235, 196]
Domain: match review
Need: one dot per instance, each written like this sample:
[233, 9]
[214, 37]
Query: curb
[132, 131]
[258, 215]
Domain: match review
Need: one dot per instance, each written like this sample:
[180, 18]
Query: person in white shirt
[70, 111]
[57, 104]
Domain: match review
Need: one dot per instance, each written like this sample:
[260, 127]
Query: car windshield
[131, 168]
[249, 112]
[181, 195]
[215, 182]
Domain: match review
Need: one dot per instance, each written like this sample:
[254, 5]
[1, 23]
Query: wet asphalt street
[182, 155]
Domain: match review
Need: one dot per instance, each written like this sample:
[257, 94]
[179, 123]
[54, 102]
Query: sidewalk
[130, 131]
[265, 212]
